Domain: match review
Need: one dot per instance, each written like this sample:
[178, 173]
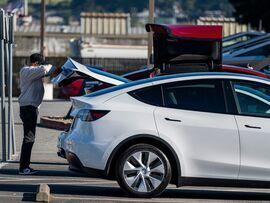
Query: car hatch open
[72, 70]
[186, 48]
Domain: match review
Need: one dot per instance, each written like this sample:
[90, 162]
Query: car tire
[143, 171]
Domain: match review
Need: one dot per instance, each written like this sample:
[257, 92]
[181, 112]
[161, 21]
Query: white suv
[186, 129]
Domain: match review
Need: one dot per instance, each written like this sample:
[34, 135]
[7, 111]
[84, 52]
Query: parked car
[254, 54]
[241, 70]
[182, 129]
[249, 43]
[76, 86]
[240, 39]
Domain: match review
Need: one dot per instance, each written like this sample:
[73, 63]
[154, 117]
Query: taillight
[91, 115]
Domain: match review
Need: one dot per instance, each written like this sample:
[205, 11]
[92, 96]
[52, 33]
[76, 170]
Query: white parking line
[2, 165]
[6, 195]
[14, 179]
[101, 199]
[14, 157]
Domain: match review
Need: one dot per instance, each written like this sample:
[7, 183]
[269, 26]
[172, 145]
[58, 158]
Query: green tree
[252, 11]
[196, 8]
[107, 6]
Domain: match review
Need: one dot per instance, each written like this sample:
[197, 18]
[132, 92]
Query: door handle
[255, 127]
[174, 120]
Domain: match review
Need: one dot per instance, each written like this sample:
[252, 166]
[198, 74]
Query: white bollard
[48, 94]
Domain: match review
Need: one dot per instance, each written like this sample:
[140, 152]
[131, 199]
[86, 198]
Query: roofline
[197, 74]
[157, 79]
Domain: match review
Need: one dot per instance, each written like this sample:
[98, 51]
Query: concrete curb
[43, 193]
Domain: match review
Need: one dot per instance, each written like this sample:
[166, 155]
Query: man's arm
[40, 71]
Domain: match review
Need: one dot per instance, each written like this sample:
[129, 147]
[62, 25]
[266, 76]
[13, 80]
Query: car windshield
[253, 42]
[238, 39]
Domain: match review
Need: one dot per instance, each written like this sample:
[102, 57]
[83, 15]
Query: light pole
[42, 27]
[25, 7]
[3, 84]
[150, 34]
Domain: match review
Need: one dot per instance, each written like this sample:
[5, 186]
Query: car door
[194, 120]
[253, 104]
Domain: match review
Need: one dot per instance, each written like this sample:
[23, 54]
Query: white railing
[6, 68]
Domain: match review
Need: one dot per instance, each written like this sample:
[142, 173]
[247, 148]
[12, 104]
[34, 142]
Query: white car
[185, 129]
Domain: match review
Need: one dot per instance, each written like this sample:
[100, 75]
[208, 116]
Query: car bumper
[61, 145]
[76, 165]
[61, 153]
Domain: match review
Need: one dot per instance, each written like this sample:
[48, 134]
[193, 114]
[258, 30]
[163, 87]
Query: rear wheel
[143, 171]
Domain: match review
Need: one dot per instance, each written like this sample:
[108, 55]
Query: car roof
[166, 77]
[238, 69]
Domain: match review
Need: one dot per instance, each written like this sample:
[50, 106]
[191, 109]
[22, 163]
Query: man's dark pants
[28, 115]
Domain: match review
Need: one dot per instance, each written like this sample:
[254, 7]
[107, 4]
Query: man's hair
[36, 58]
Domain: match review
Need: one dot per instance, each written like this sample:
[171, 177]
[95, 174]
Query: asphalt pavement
[67, 186]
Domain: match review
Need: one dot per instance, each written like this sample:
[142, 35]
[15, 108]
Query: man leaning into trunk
[32, 92]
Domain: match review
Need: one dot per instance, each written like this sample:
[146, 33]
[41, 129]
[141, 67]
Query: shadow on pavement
[104, 191]
[218, 194]
[59, 173]
[41, 163]
[29, 197]
[169, 193]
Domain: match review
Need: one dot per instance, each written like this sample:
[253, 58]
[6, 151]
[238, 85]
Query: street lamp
[42, 27]
[150, 34]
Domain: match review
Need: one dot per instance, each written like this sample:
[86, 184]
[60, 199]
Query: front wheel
[143, 171]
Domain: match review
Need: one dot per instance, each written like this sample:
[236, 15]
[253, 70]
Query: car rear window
[149, 95]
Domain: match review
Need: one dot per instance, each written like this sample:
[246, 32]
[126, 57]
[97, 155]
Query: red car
[236, 69]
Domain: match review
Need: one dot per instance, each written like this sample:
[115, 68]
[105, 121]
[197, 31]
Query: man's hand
[57, 71]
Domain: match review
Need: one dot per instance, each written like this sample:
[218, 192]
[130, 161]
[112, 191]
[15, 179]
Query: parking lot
[67, 186]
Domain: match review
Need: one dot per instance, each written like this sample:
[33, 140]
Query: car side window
[252, 99]
[150, 95]
[199, 95]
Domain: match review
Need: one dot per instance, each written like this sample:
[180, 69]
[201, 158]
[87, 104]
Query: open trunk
[186, 48]
[73, 70]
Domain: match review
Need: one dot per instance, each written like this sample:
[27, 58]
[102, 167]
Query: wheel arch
[146, 139]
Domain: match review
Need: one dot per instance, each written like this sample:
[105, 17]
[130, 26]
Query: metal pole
[11, 133]
[42, 27]
[11, 41]
[150, 35]
[26, 7]
[6, 55]
[2, 78]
